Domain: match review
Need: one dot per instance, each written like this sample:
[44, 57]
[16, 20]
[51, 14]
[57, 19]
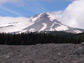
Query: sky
[27, 8]
[70, 12]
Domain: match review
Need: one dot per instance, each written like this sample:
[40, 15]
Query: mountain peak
[42, 22]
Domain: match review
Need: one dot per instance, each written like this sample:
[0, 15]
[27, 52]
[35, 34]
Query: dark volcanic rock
[41, 53]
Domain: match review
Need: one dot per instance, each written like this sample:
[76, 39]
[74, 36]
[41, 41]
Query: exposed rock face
[82, 43]
[46, 53]
[80, 50]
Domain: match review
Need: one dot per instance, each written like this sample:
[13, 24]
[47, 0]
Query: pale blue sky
[26, 8]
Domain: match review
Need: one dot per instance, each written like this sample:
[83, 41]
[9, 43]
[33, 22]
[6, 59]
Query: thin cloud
[26, 1]
[9, 10]
[9, 1]
[33, 7]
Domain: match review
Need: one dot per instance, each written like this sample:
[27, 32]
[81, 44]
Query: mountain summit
[41, 22]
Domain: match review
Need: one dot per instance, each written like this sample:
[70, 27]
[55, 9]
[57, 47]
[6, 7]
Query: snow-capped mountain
[41, 22]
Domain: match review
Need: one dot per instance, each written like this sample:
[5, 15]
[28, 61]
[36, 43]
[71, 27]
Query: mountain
[41, 22]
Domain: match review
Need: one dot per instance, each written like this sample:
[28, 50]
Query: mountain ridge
[41, 22]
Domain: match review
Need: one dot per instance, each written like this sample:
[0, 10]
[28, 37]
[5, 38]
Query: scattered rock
[82, 43]
[42, 53]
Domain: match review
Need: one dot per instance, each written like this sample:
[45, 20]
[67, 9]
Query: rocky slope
[46, 53]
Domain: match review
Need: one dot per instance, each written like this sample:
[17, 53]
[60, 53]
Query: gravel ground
[42, 53]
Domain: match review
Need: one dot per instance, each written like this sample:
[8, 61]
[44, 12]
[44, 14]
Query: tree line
[40, 38]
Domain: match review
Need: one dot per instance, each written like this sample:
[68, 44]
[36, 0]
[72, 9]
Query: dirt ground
[42, 53]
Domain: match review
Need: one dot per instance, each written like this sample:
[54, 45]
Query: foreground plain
[42, 53]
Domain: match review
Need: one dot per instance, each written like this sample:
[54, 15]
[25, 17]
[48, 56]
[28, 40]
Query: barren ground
[42, 53]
